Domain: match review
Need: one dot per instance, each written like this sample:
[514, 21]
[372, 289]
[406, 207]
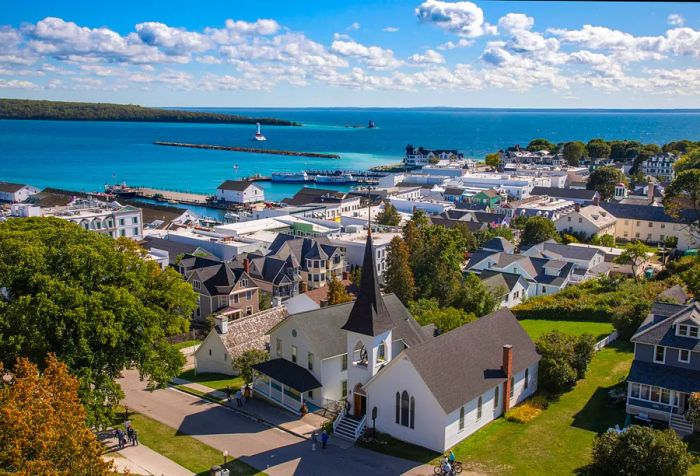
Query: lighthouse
[258, 135]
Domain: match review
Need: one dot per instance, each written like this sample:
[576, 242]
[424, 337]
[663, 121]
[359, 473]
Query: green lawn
[537, 327]
[184, 450]
[215, 381]
[187, 343]
[559, 440]
[694, 444]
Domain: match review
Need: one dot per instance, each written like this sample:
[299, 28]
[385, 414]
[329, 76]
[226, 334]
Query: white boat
[337, 179]
[290, 177]
[258, 135]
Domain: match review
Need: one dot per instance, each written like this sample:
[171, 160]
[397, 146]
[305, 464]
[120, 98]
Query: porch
[286, 384]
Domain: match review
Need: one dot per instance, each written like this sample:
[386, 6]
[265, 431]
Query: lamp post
[225, 456]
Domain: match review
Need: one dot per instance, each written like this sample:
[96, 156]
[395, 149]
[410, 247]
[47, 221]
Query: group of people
[324, 439]
[241, 395]
[448, 465]
[130, 434]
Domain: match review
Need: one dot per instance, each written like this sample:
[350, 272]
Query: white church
[373, 359]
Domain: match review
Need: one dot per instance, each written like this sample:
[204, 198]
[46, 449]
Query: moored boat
[293, 177]
[258, 135]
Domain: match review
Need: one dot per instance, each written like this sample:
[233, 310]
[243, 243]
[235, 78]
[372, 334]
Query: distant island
[85, 111]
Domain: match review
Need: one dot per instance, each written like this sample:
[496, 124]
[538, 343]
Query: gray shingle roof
[574, 193]
[289, 373]
[499, 243]
[236, 185]
[675, 294]
[495, 279]
[9, 187]
[461, 364]
[638, 212]
[662, 332]
[666, 376]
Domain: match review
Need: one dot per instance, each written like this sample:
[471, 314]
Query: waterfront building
[587, 221]
[660, 166]
[333, 202]
[240, 191]
[419, 157]
[110, 219]
[16, 192]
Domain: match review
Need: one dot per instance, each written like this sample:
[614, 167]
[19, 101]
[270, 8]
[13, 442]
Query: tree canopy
[428, 311]
[244, 362]
[603, 181]
[565, 359]
[682, 199]
[389, 215]
[399, 276]
[44, 427]
[538, 229]
[337, 294]
[536, 145]
[91, 300]
[492, 160]
[598, 149]
[573, 152]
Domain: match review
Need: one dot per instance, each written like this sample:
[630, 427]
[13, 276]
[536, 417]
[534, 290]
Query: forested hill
[85, 111]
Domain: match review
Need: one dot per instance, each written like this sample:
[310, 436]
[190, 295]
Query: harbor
[251, 150]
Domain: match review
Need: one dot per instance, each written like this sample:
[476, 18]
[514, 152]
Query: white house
[240, 191]
[511, 288]
[589, 221]
[372, 358]
[16, 192]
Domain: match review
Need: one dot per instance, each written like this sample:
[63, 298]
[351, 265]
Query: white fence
[605, 342]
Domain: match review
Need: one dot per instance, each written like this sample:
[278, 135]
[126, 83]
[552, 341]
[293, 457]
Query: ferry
[290, 177]
[342, 178]
[258, 135]
[371, 125]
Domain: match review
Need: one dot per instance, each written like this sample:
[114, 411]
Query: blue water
[86, 155]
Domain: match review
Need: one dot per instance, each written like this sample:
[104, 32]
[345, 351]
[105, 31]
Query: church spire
[369, 315]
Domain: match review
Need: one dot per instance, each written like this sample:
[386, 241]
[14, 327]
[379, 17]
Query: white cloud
[354, 26]
[463, 18]
[430, 57]
[373, 56]
[451, 45]
[177, 41]
[675, 19]
[390, 29]
[515, 21]
[17, 84]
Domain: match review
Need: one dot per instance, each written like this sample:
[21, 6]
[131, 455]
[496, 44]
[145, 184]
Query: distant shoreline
[26, 109]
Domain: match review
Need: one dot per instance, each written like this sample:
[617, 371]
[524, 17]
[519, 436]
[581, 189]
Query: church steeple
[369, 315]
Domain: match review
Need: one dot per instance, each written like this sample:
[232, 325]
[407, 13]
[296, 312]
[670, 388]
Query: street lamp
[225, 456]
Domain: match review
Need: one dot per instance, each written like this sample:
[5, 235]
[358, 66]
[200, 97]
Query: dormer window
[686, 330]
[196, 284]
[381, 352]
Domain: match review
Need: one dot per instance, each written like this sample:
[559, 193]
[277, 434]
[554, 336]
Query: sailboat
[258, 135]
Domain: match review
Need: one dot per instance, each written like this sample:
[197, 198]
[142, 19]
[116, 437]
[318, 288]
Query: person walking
[229, 392]
[135, 436]
[314, 441]
[120, 437]
[130, 435]
[239, 398]
[324, 439]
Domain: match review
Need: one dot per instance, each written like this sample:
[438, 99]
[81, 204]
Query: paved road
[269, 449]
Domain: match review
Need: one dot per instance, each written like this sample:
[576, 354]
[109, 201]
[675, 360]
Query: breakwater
[248, 149]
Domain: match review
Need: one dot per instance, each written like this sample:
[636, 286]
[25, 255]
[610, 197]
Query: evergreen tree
[337, 294]
[398, 276]
[389, 216]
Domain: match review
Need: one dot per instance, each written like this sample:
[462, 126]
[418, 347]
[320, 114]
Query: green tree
[389, 215]
[482, 236]
[573, 152]
[44, 427]
[474, 298]
[617, 149]
[470, 241]
[636, 254]
[568, 239]
[640, 450]
[428, 311]
[244, 363]
[628, 316]
[493, 160]
[538, 229]
[536, 145]
[603, 240]
[565, 359]
[398, 276]
[264, 300]
[693, 414]
[94, 302]
[337, 294]
[356, 276]
[604, 179]
[688, 162]
[682, 199]
[598, 149]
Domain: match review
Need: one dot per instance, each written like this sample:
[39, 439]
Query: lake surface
[84, 156]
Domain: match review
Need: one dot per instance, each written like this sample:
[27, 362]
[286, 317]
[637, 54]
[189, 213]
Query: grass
[694, 445]
[187, 343]
[560, 438]
[384, 443]
[537, 327]
[183, 449]
[211, 380]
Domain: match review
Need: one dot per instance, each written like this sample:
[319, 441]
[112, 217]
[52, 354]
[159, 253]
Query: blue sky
[343, 53]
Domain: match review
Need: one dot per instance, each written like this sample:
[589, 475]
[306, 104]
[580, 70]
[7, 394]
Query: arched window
[404, 408]
[359, 355]
[479, 405]
[398, 408]
[381, 352]
[461, 418]
[413, 411]
[527, 377]
[496, 397]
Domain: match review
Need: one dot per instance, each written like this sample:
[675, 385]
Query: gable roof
[236, 185]
[675, 294]
[662, 333]
[461, 364]
[498, 279]
[553, 250]
[174, 248]
[369, 315]
[9, 187]
[638, 212]
[498, 243]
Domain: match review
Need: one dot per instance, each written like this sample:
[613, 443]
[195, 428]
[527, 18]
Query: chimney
[246, 265]
[222, 323]
[508, 370]
[577, 206]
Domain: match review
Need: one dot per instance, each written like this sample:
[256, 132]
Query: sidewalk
[262, 411]
[142, 460]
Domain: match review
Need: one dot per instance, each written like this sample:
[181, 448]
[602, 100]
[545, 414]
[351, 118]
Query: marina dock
[170, 195]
